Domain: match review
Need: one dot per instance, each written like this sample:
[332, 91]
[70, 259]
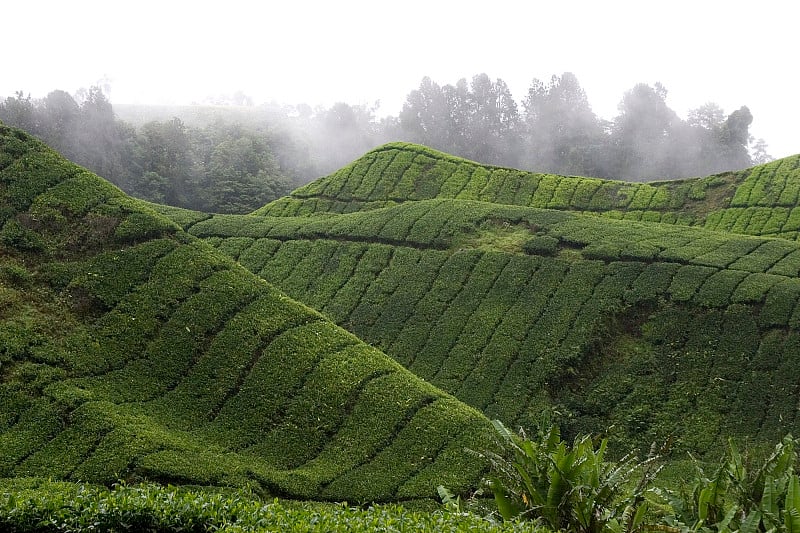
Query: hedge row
[33, 505]
[768, 221]
[453, 225]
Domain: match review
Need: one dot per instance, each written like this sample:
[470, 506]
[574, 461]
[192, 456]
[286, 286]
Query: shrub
[28, 505]
[568, 487]
[737, 496]
[541, 245]
[15, 235]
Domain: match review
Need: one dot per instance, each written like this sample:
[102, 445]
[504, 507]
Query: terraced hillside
[635, 329]
[129, 349]
[760, 201]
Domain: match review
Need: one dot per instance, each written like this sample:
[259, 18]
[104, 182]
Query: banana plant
[737, 498]
[568, 487]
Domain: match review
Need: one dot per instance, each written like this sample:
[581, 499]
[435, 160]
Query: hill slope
[758, 201]
[638, 329]
[129, 349]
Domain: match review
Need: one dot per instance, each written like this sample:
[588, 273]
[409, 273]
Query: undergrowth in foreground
[30, 505]
[542, 484]
[572, 487]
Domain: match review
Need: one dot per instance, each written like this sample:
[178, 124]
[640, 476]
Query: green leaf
[736, 467]
[638, 517]
[722, 525]
[502, 429]
[506, 506]
[793, 493]
[769, 499]
[703, 502]
[791, 516]
[445, 494]
[750, 524]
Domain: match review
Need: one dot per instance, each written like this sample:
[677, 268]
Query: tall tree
[427, 116]
[19, 111]
[718, 143]
[106, 144]
[702, 140]
[493, 122]
[758, 152]
[478, 121]
[60, 122]
[563, 134]
[708, 116]
[347, 131]
[163, 150]
[239, 171]
[641, 133]
[736, 137]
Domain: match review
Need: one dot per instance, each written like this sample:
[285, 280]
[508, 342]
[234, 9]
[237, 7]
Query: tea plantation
[638, 326]
[763, 200]
[131, 350]
[640, 330]
[352, 341]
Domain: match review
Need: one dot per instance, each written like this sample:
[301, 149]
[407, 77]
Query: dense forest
[249, 155]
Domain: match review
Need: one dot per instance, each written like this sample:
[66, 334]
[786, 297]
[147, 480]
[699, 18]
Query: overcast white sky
[733, 53]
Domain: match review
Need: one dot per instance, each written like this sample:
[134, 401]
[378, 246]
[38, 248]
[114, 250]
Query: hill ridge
[402, 172]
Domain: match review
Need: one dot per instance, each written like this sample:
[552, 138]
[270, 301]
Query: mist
[231, 156]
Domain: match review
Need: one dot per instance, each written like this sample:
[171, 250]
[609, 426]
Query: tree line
[556, 130]
[238, 162]
[219, 168]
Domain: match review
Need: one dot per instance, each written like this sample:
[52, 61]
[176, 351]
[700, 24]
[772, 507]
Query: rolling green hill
[614, 323]
[763, 200]
[146, 342]
[637, 329]
[132, 350]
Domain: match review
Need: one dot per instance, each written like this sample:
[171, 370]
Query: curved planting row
[771, 185]
[130, 356]
[400, 172]
[451, 225]
[513, 309]
[783, 222]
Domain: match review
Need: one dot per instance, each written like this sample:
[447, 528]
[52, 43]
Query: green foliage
[132, 350]
[739, 496]
[574, 488]
[568, 487]
[15, 235]
[29, 505]
[446, 288]
[541, 245]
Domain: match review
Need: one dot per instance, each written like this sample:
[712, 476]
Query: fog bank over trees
[555, 130]
[234, 157]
